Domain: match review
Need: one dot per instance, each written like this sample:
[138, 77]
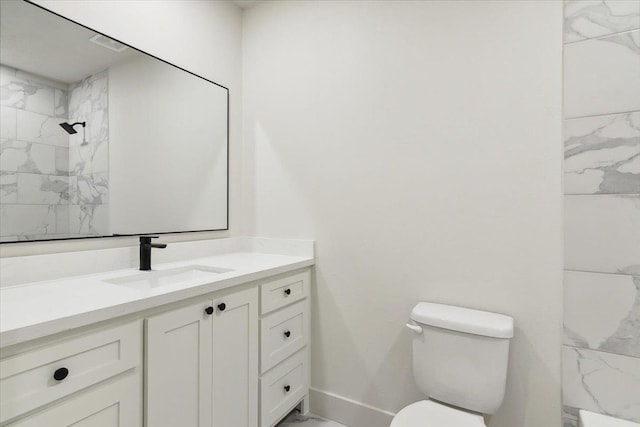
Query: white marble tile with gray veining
[25, 92]
[601, 382]
[8, 187]
[89, 219]
[8, 123]
[585, 19]
[46, 189]
[602, 76]
[21, 156]
[27, 220]
[602, 312]
[61, 103]
[34, 127]
[92, 157]
[93, 189]
[62, 161]
[62, 220]
[601, 233]
[602, 154]
[89, 102]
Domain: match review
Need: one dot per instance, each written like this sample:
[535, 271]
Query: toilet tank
[460, 356]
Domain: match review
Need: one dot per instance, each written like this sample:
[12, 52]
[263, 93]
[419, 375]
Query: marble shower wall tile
[34, 127]
[89, 102]
[602, 76]
[602, 312]
[601, 233]
[602, 154]
[93, 189]
[26, 220]
[21, 156]
[8, 122]
[585, 19]
[8, 187]
[26, 92]
[89, 219]
[46, 189]
[601, 382]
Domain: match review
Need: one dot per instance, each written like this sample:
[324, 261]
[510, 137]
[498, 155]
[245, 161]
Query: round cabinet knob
[287, 292]
[60, 374]
[287, 388]
[287, 334]
[222, 306]
[209, 310]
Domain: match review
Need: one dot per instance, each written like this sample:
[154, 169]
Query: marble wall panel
[8, 122]
[93, 189]
[89, 219]
[21, 156]
[585, 19]
[26, 92]
[35, 127]
[46, 189]
[602, 76]
[8, 187]
[602, 233]
[602, 382]
[26, 220]
[602, 154]
[602, 312]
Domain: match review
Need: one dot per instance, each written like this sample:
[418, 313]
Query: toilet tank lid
[462, 319]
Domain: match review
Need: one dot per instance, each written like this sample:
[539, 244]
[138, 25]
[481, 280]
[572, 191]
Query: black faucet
[145, 251]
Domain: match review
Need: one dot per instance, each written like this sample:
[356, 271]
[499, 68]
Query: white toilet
[459, 362]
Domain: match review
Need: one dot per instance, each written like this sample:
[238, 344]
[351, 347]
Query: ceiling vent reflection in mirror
[110, 44]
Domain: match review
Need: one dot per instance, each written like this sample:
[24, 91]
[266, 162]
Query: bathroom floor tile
[295, 419]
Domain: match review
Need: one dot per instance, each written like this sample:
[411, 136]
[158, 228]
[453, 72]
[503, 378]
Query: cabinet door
[235, 360]
[112, 404]
[179, 361]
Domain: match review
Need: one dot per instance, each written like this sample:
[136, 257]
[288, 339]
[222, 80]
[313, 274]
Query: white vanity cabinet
[202, 364]
[234, 357]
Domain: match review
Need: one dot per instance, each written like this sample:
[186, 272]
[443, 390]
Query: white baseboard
[347, 411]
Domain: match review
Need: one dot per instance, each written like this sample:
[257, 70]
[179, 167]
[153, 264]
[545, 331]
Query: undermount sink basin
[154, 279]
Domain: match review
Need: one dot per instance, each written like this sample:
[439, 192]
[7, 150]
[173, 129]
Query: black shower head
[69, 128]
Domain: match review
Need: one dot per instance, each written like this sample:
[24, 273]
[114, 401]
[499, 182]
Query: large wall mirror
[101, 139]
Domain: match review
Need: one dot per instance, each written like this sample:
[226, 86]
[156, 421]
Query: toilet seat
[428, 413]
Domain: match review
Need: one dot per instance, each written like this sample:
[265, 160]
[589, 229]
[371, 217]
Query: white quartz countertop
[34, 310]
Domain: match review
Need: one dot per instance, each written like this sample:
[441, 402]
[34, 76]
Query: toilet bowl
[460, 358]
[428, 413]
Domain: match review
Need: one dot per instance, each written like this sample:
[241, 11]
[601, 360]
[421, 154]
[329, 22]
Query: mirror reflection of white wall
[168, 152]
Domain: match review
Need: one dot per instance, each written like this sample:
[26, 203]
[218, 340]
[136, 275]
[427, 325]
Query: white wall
[203, 37]
[419, 144]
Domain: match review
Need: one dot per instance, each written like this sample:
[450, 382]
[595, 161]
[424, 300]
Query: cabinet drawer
[282, 388]
[27, 380]
[114, 403]
[285, 291]
[283, 333]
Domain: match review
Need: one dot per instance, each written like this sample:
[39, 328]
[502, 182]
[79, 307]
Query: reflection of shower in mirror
[70, 130]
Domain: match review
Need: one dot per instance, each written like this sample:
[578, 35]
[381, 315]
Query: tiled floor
[294, 419]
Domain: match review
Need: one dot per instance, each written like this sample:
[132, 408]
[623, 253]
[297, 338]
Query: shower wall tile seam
[573, 270]
[602, 36]
[600, 351]
[600, 115]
